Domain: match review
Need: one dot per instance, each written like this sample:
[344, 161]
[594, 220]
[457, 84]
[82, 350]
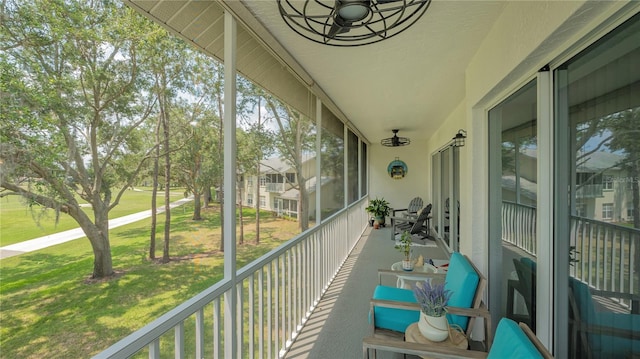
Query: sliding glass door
[513, 241]
[598, 224]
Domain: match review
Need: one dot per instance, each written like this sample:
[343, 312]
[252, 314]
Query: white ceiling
[411, 81]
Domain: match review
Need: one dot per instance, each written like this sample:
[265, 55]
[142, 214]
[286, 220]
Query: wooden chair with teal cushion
[511, 341]
[602, 334]
[394, 309]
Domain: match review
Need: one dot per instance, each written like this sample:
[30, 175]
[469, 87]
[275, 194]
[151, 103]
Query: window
[607, 211]
[291, 177]
[513, 156]
[597, 102]
[250, 199]
[250, 181]
[263, 201]
[352, 167]
[332, 164]
[630, 211]
[607, 184]
[581, 209]
[263, 181]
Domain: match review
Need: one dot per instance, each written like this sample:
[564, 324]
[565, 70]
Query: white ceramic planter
[435, 329]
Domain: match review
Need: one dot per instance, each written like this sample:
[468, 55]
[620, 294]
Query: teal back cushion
[391, 318]
[462, 280]
[511, 342]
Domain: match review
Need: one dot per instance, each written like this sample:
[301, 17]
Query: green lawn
[19, 223]
[49, 308]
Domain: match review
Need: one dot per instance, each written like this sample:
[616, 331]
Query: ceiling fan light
[353, 11]
[350, 22]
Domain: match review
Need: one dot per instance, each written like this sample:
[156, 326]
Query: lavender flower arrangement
[432, 299]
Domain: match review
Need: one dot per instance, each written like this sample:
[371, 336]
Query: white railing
[275, 295]
[603, 255]
[519, 226]
[275, 187]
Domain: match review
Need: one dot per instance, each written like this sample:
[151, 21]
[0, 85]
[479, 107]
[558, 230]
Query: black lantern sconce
[458, 140]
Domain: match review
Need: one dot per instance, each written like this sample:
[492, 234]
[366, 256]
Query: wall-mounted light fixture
[458, 140]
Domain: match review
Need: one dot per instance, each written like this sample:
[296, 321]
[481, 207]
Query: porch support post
[545, 241]
[318, 160]
[229, 187]
[345, 166]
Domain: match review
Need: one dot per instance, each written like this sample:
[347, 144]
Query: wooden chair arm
[536, 342]
[417, 349]
[395, 304]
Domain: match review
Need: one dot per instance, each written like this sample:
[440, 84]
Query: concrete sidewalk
[66, 236]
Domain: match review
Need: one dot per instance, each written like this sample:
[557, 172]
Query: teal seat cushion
[602, 344]
[462, 280]
[615, 346]
[390, 318]
[511, 342]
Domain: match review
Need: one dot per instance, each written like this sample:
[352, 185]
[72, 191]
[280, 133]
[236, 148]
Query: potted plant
[379, 208]
[404, 246]
[433, 300]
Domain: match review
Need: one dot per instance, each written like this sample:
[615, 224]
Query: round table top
[456, 339]
[425, 268]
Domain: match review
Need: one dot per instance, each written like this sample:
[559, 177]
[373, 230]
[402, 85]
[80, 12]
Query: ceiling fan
[350, 22]
[395, 141]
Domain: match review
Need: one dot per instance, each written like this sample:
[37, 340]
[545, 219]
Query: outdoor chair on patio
[602, 334]
[511, 341]
[411, 211]
[418, 227]
[394, 309]
[525, 285]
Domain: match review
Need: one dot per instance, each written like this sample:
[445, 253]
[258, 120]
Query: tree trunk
[221, 200]
[257, 202]
[154, 194]
[197, 214]
[303, 207]
[167, 182]
[98, 235]
[240, 217]
[207, 196]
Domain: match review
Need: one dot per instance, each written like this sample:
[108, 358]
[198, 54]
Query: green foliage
[378, 207]
[404, 244]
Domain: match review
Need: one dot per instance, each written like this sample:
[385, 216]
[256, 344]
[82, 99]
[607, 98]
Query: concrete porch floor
[340, 321]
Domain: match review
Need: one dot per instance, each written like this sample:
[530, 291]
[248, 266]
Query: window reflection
[602, 91]
[516, 119]
[332, 164]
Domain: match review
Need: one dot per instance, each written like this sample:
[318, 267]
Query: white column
[318, 159]
[545, 212]
[229, 206]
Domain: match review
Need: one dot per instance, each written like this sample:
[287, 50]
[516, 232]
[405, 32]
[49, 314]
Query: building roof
[310, 185]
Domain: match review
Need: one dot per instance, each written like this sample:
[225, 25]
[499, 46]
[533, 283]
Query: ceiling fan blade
[387, 1]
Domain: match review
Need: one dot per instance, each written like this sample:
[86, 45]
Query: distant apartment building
[277, 187]
[603, 192]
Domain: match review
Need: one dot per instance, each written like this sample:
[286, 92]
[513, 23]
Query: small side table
[397, 267]
[413, 335]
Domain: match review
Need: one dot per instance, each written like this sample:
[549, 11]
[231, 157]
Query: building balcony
[275, 187]
[589, 191]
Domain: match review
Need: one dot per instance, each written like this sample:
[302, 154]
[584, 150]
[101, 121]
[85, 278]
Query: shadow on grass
[48, 309]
